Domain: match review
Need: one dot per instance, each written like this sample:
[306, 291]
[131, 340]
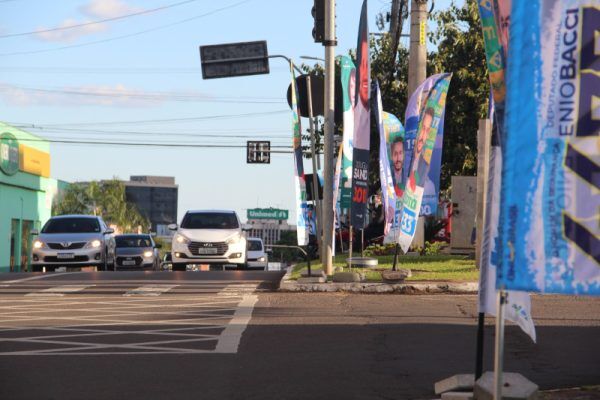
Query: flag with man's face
[362, 125]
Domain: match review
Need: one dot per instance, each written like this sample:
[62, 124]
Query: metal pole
[315, 178]
[329, 43]
[395, 257]
[479, 355]
[362, 242]
[499, 356]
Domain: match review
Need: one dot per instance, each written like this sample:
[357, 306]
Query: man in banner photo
[428, 129]
[549, 235]
[362, 125]
[348, 77]
[394, 139]
[300, 181]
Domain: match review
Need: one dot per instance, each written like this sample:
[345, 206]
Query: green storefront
[26, 194]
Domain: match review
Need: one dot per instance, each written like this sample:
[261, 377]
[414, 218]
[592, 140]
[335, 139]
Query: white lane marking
[59, 291]
[44, 276]
[229, 341]
[150, 290]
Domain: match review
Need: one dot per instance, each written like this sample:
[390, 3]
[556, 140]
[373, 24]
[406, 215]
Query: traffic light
[318, 13]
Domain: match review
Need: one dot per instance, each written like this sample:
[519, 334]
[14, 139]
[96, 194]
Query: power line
[109, 70]
[156, 96]
[62, 28]
[158, 121]
[129, 35]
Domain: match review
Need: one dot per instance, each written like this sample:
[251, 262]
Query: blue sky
[156, 76]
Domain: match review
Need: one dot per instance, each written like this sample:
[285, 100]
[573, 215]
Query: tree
[103, 198]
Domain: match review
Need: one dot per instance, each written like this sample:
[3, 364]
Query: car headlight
[148, 254]
[234, 239]
[179, 238]
[38, 244]
[262, 259]
[94, 244]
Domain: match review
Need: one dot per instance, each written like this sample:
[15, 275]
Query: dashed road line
[59, 291]
[150, 290]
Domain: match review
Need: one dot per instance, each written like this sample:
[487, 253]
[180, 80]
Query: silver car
[136, 251]
[74, 241]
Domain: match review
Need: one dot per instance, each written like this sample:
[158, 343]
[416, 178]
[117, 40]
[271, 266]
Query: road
[226, 335]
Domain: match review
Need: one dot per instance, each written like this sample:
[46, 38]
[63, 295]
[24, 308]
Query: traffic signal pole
[329, 43]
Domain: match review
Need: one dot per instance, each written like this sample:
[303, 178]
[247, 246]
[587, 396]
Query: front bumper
[234, 253]
[257, 264]
[80, 257]
[134, 262]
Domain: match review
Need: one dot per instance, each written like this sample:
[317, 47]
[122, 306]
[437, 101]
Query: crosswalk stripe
[150, 290]
[59, 291]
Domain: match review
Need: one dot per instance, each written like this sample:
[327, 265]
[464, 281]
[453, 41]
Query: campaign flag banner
[362, 125]
[415, 107]
[302, 223]
[517, 309]
[394, 137]
[337, 211]
[423, 149]
[388, 193]
[348, 77]
[548, 225]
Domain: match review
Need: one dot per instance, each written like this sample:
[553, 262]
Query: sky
[137, 79]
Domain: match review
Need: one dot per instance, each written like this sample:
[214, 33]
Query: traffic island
[369, 287]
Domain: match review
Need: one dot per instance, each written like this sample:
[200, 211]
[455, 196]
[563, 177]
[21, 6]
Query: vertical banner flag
[518, 304]
[394, 136]
[388, 194]
[415, 106]
[418, 174]
[300, 181]
[362, 125]
[348, 76]
[337, 211]
[548, 226]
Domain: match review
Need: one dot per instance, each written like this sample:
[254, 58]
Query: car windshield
[133, 241]
[255, 245]
[71, 225]
[210, 220]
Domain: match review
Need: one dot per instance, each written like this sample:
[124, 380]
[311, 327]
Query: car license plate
[128, 262]
[207, 250]
[65, 256]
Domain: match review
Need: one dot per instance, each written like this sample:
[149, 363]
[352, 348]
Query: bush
[432, 248]
[380, 250]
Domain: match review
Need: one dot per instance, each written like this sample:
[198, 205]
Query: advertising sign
[267, 213]
[549, 236]
[9, 154]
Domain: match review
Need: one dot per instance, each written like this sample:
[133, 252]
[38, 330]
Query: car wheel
[37, 268]
[179, 266]
[50, 268]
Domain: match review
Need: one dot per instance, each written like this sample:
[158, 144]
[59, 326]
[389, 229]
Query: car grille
[69, 246]
[66, 260]
[221, 247]
[138, 260]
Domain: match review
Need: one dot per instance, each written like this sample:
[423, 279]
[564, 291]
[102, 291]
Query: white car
[212, 237]
[257, 257]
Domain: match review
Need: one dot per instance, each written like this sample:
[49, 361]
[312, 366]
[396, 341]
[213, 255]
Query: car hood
[209, 235]
[68, 237]
[132, 251]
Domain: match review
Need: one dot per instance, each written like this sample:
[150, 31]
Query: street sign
[9, 154]
[234, 59]
[258, 152]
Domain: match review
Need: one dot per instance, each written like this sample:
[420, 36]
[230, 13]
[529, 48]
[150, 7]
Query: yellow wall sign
[34, 161]
[422, 32]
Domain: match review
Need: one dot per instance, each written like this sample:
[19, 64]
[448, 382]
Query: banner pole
[395, 257]
[479, 353]
[499, 356]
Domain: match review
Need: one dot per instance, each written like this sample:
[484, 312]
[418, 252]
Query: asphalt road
[226, 336]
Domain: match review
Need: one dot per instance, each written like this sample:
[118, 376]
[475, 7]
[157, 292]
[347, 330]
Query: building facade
[156, 199]
[267, 224]
[26, 194]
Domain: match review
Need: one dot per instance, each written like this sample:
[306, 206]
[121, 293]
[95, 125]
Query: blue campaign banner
[549, 227]
[431, 195]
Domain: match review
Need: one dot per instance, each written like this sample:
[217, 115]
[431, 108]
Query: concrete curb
[287, 285]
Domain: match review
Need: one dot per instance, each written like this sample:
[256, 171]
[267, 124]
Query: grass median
[424, 268]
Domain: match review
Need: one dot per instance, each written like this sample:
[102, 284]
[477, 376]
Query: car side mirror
[34, 232]
[158, 246]
[172, 227]
[109, 231]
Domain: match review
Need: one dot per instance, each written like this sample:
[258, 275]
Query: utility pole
[327, 209]
[417, 59]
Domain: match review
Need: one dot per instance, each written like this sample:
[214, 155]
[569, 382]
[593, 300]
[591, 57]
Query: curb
[287, 285]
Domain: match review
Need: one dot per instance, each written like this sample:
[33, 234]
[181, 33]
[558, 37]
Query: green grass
[424, 268]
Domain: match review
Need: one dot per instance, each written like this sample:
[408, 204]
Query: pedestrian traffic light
[318, 13]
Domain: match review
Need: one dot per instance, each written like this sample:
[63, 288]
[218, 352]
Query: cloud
[70, 35]
[102, 9]
[109, 96]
